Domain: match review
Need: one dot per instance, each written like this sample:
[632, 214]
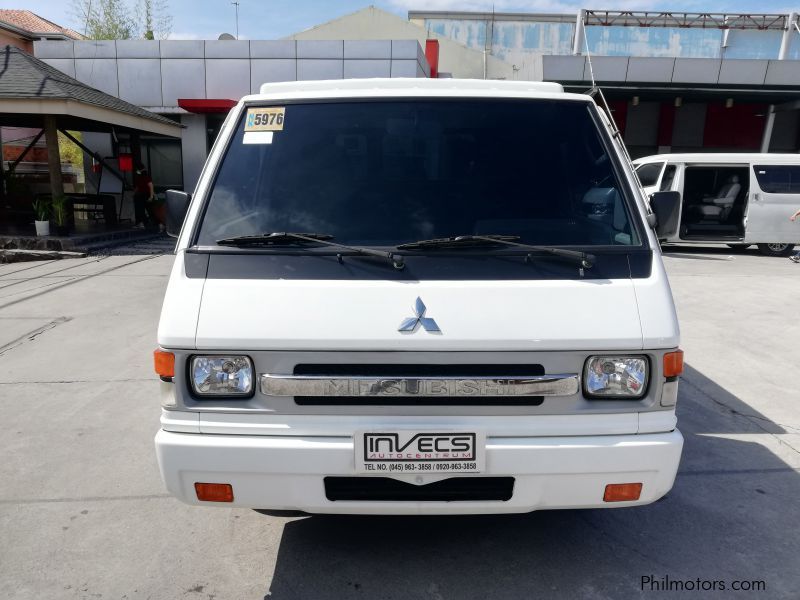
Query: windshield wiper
[275, 238]
[282, 238]
[584, 259]
[459, 241]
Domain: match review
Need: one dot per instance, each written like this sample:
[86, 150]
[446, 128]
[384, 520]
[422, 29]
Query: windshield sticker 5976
[265, 119]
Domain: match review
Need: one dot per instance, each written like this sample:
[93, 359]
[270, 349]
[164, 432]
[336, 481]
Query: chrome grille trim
[396, 387]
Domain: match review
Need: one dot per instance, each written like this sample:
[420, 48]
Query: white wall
[154, 74]
[193, 146]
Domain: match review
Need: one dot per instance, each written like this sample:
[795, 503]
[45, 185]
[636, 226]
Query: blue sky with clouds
[269, 19]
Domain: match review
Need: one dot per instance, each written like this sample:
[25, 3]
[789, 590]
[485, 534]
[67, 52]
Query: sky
[271, 19]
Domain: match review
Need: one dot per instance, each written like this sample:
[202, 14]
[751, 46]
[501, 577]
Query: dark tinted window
[384, 173]
[782, 179]
[669, 176]
[648, 174]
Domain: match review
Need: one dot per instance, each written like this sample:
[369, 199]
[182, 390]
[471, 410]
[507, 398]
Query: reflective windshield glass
[383, 173]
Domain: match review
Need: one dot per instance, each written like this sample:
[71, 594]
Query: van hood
[331, 315]
[384, 315]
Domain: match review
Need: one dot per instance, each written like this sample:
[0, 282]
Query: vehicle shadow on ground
[714, 253]
[725, 520]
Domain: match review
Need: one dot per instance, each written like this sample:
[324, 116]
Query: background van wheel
[776, 249]
[738, 247]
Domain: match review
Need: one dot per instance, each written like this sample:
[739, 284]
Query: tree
[114, 20]
[104, 19]
[69, 150]
[153, 19]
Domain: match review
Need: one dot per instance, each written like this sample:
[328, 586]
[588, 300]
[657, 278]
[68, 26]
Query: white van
[418, 296]
[736, 199]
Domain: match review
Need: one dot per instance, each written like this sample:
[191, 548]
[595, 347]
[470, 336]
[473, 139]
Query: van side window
[648, 174]
[669, 176]
[778, 179]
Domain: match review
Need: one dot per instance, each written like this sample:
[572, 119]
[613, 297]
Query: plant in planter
[41, 206]
[159, 211]
[60, 216]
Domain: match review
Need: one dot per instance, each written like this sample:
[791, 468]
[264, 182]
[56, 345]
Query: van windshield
[385, 173]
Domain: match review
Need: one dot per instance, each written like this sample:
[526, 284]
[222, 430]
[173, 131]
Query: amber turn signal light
[673, 363]
[622, 492]
[164, 363]
[214, 492]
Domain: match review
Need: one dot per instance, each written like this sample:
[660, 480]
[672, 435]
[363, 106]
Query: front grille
[419, 370]
[419, 401]
[455, 489]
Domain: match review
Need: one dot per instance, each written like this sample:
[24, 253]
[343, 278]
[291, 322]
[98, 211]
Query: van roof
[719, 157]
[412, 87]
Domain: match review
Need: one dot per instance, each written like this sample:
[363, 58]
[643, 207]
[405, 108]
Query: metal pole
[236, 4]
[786, 40]
[769, 124]
[98, 158]
[580, 32]
[36, 138]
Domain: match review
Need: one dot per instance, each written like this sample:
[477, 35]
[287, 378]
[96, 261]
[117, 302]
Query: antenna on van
[596, 91]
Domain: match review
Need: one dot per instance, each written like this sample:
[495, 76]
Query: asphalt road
[83, 513]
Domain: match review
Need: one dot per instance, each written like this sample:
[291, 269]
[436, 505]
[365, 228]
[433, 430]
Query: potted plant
[60, 215]
[159, 211]
[41, 207]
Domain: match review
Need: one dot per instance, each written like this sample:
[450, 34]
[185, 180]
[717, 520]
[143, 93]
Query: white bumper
[287, 472]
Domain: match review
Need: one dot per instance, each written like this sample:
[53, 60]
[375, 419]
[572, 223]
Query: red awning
[215, 105]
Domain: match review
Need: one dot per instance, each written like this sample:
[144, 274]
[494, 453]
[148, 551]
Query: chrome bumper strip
[457, 387]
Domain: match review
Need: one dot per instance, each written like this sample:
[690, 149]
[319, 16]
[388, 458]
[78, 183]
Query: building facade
[674, 81]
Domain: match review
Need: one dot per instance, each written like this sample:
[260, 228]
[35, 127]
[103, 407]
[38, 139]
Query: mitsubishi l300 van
[409, 296]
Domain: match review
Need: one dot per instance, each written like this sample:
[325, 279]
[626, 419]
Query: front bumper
[286, 472]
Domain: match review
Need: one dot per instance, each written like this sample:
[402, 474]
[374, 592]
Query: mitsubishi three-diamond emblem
[410, 323]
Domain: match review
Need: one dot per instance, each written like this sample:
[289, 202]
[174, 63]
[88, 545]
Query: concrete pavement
[83, 513]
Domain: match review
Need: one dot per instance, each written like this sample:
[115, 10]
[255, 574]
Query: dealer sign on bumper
[385, 452]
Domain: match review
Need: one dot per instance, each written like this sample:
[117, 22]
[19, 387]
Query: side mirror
[177, 205]
[667, 210]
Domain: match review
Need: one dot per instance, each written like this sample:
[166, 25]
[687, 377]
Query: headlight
[221, 375]
[615, 376]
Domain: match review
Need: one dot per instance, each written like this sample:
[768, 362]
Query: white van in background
[735, 199]
[419, 296]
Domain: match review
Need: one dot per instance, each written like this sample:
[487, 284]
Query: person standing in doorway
[143, 196]
[796, 256]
